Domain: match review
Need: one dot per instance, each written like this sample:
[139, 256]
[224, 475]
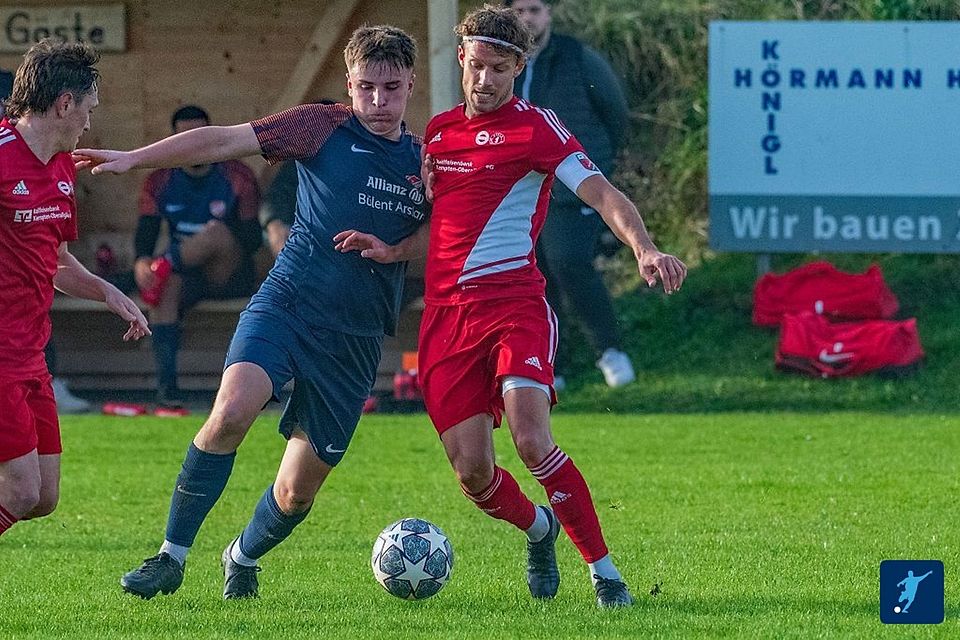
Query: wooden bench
[92, 356]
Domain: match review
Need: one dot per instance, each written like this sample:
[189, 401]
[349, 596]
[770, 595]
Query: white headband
[502, 43]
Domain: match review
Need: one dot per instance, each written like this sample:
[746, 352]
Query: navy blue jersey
[348, 178]
[228, 192]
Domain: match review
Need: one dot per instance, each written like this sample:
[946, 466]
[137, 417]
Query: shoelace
[151, 562]
[606, 585]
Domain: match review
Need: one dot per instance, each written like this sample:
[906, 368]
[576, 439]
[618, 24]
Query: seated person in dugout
[211, 215]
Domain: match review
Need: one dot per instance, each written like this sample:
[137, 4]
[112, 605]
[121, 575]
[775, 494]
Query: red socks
[6, 520]
[504, 500]
[571, 502]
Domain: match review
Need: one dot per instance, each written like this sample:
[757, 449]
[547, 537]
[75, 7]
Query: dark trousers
[565, 254]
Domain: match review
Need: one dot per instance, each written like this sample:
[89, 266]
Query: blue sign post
[834, 136]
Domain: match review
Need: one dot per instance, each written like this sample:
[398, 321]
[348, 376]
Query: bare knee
[474, 474]
[532, 445]
[293, 498]
[532, 451]
[225, 429]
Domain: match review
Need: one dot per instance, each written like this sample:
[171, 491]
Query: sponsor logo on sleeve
[586, 162]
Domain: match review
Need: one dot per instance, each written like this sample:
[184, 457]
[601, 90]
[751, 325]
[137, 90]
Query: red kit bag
[821, 288]
[811, 344]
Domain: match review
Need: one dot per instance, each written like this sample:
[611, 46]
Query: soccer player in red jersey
[54, 93]
[488, 336]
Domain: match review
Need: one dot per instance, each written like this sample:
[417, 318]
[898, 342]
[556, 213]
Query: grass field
[756, 525]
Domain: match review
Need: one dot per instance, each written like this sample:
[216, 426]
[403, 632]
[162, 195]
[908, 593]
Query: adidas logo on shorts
[533, 361]
[21, 189]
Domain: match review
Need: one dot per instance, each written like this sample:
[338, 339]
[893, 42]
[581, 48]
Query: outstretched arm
[73, 279]
[624, 220]
[203, 145]
[925, 575]
[373, 248]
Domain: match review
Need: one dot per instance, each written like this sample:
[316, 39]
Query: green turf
[756, 525]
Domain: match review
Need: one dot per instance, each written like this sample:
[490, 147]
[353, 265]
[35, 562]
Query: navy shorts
[333, 373]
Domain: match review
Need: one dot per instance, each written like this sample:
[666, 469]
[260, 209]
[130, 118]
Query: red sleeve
[245, 187]
[300, 132]
[151, 188]
[552, 141]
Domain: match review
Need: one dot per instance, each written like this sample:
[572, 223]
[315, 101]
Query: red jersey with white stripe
[38, 211]
[493, 175]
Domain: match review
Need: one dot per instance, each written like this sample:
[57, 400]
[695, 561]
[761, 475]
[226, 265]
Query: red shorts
[28, 418]
[466, 350]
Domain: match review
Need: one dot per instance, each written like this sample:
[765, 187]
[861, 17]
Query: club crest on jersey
[485, 137]
[587, 162]
[66, 188]
[218, 208]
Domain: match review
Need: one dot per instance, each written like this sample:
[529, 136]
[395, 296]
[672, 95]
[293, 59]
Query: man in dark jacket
[577, 83]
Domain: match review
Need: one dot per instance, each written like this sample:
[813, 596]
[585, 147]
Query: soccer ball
[412, 559]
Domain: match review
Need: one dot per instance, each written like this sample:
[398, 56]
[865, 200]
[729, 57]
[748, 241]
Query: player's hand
[369, 246]
[129, 311]
[142, 274]
[427, 173]
[102, 160]
[669, 269]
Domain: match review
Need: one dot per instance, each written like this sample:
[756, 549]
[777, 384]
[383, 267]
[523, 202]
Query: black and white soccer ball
[412, 559]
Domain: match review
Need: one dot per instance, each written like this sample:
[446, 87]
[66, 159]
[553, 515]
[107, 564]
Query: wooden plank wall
[232, 57]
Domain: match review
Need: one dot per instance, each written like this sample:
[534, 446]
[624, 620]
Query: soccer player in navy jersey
[488, 336]
[319, 317]
[54, 93]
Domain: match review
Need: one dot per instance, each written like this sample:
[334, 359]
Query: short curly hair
[501, 23]
[51, 68]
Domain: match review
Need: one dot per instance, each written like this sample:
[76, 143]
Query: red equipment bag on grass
[822, 288]
[811, 344]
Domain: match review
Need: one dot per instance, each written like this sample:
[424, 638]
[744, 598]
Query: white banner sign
[835, 136]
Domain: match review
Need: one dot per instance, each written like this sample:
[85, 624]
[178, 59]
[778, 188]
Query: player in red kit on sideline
[54, 93]
[488, 336]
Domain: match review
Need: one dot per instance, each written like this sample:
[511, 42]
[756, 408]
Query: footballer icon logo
[911, 592]
[586, 162]
[66, 188]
